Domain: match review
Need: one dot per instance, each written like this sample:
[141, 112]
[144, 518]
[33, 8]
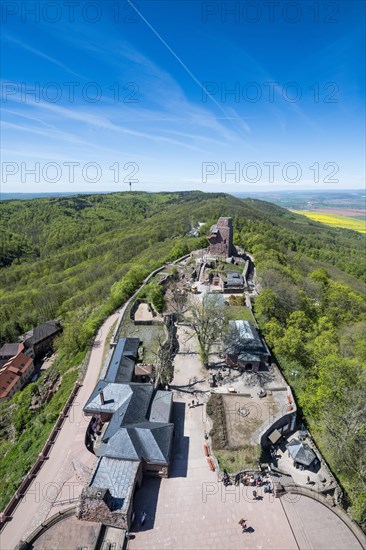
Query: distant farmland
[335, 220]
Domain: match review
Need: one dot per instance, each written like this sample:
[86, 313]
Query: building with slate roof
[244, 347]
[38, 340]
[122, 364]
[132, 434]
[109, 497]
[234, 282]
[136, 424]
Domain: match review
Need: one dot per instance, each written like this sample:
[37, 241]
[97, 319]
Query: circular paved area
[316, 526]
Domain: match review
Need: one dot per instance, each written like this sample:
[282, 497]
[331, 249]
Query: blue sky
[142, 93]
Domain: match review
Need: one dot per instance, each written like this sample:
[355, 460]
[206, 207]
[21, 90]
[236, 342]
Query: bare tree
[178, 301]
[207, 318]
[164, 360]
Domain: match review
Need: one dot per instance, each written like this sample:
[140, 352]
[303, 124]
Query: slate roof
[161, 406]
[300, 452]
[146, 441]
[11, 350]
[233, 278]
[40, 333]
[139, 428]
[122, 363]
[116, 396]
[119, 477]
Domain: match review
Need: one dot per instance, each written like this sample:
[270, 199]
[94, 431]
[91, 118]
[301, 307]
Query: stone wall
[221, 243]
[97, 504]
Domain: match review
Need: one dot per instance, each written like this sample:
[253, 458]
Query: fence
[43, 455]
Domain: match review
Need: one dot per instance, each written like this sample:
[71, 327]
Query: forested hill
[79, 258]
[65, 253]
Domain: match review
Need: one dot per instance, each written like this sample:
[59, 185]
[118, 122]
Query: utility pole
[130, 185]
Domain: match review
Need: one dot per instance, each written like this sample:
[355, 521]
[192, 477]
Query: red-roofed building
[7, 351]
[15, 374]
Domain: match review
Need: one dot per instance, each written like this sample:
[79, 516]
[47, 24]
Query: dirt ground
[240, 428]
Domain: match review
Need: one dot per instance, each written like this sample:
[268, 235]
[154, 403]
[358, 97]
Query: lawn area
[240, 459]
[239, 313]
[224, 268]
[335, 220]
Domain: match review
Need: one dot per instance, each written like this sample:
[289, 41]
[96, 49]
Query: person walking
[254, 495]
[143, 518]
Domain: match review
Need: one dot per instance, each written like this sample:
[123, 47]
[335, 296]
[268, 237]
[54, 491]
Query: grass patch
[239, 313]
[148, 334]
[235, 460]
[335, 220]
[107, 346]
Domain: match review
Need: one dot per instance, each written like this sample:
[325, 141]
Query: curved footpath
[61, 476]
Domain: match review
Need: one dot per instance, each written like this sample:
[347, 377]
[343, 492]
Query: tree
[178, 300]
[207, 318]
[155, 295]
[266, 304]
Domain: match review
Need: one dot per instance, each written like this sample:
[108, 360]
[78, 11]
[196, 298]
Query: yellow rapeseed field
[335, 220]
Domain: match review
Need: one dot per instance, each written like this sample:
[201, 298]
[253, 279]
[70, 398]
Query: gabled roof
[139, 428]
[116, 397]
[11, 350]
[123, 361]
[145, 441]
[118, 476]
[46, 330]
[161, 406]
[12, 372]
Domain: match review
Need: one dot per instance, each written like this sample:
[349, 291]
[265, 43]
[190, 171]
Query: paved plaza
[195, 511]
[192, 510]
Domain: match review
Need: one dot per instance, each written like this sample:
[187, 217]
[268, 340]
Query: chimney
[101, 395]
